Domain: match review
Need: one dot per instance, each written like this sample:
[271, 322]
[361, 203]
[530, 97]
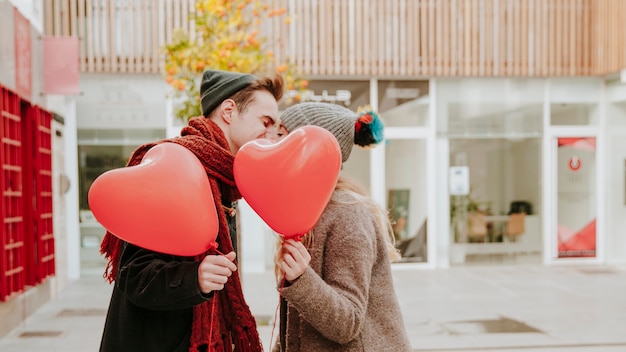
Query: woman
[336, 285]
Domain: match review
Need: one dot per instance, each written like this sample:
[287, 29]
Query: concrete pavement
[473, 308]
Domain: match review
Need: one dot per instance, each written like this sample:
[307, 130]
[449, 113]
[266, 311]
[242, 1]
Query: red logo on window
[574, 163]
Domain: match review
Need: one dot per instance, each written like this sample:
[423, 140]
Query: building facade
[505, 119]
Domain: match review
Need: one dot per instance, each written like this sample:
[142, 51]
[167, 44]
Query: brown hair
[273, 85]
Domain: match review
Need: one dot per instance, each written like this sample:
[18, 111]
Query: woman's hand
[295, 259]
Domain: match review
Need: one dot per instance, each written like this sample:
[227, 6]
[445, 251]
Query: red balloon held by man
[164, 204]
[289, 183]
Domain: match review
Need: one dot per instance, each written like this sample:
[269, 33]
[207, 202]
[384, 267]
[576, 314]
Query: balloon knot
[297, 238]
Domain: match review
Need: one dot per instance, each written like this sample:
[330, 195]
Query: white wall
[7, 45]
[32, 10]
[129, 101]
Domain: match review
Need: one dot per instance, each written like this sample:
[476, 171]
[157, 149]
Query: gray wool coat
[345, 300]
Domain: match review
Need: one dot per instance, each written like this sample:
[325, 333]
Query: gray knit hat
[217, 86]
[341, 122]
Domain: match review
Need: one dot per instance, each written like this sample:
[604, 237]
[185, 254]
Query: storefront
[487, 171]
[496, 171]
[533, 152]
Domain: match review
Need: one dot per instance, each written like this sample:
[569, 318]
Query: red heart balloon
[289, 183]
[164, 204]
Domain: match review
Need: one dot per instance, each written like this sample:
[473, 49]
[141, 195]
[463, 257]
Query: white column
[71, 170]
[442, 163]
[377, 156]
[547, 185]
[444, 233]
[66, 107]
[432, 181]
[602, 178]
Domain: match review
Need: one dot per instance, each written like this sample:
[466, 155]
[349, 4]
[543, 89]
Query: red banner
[61, 65]
[23, 56]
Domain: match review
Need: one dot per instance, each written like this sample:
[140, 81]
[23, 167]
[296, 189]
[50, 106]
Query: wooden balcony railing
[383, 38]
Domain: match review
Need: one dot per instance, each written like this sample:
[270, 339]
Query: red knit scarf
[232, 323]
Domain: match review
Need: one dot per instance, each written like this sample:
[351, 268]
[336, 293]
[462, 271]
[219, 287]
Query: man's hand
[214, 271]
[295, 259]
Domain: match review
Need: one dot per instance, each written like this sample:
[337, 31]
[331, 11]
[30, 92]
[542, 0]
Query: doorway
[575, 196]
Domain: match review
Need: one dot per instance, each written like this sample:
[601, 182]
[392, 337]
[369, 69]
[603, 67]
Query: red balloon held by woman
[289, 183]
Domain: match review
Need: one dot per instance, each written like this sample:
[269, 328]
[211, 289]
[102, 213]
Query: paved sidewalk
[491, 308]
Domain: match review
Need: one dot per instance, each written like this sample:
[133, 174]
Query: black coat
[151, 307]
[152, 301]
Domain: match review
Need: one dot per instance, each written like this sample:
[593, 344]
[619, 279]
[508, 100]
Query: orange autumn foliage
[226, 37]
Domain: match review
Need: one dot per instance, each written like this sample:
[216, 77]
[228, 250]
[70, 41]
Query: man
[170, 303]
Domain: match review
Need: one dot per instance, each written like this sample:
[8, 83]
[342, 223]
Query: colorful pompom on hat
[363, 128]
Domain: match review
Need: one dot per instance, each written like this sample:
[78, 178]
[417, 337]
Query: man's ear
[228, 107]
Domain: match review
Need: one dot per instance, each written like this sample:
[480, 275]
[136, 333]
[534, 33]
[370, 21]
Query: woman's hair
[359, 195]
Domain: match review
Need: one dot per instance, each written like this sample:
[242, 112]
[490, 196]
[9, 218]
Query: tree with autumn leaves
[225, 37]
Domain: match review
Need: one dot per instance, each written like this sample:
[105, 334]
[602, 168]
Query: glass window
[407, 195]
[570, 114]
[403, 103]
[575, 89]
[504, 180]
[491, 108]
[484, 119]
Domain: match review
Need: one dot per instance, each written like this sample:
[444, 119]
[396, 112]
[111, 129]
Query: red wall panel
[26, 239]
[43, 193]
[12, 242]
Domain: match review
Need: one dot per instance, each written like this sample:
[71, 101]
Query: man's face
[278, 133]
[259, 120]
[281, 132]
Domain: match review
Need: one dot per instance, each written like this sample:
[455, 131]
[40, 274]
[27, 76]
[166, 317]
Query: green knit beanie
[217, 86]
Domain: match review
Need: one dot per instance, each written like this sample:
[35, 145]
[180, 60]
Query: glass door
[407, 194]
[576, 200]
[405, 170]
